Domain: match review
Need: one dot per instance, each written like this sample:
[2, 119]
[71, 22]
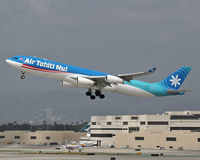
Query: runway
[14, 156]
[41, 152]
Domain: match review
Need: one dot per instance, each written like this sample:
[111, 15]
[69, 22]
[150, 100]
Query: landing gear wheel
[88, 93]
[92, 97]
[97, 92]
[22, 76]
[102, 96]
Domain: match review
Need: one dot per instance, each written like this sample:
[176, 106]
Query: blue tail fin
[86, 128]
[175, 80]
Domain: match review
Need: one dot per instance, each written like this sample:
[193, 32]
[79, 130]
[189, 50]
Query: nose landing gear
[23, 75]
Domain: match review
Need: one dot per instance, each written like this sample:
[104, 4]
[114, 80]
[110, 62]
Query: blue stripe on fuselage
[55, 66]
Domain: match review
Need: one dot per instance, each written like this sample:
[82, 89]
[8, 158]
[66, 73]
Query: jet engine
[66, 84]
[113, 79]
[84, 82]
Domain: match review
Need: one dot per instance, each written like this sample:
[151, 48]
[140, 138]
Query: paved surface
[77, 157]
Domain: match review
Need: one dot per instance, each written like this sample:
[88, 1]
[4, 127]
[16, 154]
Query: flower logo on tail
[175, 81]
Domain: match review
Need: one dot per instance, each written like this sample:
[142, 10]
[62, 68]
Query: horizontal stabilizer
[170, 91]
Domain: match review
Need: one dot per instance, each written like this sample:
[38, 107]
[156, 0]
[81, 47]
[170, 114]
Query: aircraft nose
[10, 62]
[7, 61]
[13, 63]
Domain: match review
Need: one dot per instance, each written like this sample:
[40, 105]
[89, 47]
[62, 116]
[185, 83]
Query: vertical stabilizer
[175, 80]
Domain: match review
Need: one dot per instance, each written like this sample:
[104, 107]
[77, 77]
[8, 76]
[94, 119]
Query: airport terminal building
[170, 130]
[177, 130]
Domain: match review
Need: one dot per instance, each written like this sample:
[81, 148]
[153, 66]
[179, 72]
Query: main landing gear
[97, 94]
[23, 75]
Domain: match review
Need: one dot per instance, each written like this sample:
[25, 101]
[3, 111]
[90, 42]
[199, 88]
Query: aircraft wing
[126, 77]
[131, 76]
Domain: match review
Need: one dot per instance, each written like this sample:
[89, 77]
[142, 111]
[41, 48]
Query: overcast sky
[113, 36]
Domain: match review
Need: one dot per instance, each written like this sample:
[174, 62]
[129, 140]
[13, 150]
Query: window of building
[109, 123]
[198, 139]
[33, 137]
[117, 117]
[157, 146]
[139, 138]
[180, 117]
[125, 123]
[142, 123]
[2, 136]
[17, 137]
[170, 138]
[133, 129]
[94, 123]
[197, 115]
[102, 135]
[157, 123]
[47, 137]
[185, 128]
[171, 147]
[108, 128]
[134, 118]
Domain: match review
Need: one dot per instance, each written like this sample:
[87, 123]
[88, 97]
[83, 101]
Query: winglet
[152, 70]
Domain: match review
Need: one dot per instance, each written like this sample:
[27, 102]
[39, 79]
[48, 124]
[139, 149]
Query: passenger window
[15, 57]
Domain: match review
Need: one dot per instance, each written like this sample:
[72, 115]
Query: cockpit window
[15, 57]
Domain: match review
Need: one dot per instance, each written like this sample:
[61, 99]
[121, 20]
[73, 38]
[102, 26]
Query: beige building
[169, 140]
[39, 137]
[169, 130]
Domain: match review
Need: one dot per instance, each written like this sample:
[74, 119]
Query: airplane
[85, 141]
[73, 76]
[72, 146]
[69, 147]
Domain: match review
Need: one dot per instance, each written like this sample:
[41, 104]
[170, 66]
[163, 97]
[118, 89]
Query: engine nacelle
[79, 82]
[84, 82]
[113, 79]
[66, 84]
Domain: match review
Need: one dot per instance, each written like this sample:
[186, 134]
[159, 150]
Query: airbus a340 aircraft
[72, 76]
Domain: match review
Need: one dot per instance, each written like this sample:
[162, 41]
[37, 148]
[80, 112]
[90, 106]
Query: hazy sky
[114, 36]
